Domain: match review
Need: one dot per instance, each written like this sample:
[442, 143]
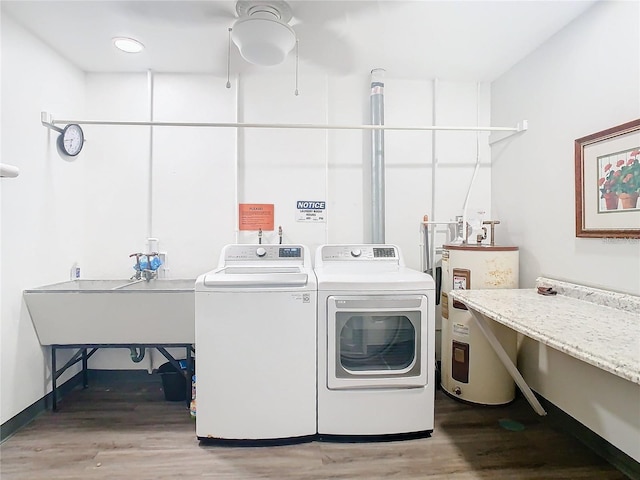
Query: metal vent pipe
[377, 157]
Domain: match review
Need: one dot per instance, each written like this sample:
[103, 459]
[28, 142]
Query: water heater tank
[471, 371]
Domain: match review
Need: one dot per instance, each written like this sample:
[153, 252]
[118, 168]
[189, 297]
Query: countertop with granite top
[599, 327]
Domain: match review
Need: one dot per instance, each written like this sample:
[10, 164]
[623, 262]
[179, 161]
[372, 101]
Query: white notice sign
[311, 211]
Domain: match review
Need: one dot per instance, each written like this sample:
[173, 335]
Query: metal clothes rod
[52, 124]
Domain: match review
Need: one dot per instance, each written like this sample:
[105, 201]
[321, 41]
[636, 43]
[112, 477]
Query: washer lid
[256, 276]
[404, 280]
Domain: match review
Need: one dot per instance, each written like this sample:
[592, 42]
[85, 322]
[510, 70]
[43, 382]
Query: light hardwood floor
[129, 431]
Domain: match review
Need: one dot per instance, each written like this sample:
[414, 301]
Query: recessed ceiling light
[128, 45]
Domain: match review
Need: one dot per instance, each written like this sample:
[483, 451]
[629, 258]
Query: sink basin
[79, 285]
[160, 285]
[113, 311]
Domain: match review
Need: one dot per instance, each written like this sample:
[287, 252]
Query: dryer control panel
[363, 253]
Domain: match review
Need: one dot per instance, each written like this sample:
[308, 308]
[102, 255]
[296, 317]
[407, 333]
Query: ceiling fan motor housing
[261, 33]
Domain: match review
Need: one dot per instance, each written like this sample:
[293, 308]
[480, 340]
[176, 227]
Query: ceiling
[453, 40]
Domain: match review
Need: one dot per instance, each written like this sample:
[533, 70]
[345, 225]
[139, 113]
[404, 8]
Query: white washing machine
[376, 348]
[255, 333]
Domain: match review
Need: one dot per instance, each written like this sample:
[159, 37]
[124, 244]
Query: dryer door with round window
[376, 341]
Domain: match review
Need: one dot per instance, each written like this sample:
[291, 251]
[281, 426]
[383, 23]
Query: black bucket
[174, 382]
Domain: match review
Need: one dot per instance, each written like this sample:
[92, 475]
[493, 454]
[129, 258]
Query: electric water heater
[471, 371]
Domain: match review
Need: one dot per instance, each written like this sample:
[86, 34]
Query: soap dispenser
[75, 271]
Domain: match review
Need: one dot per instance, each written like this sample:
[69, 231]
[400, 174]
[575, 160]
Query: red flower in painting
[627, 178]
[621, 177]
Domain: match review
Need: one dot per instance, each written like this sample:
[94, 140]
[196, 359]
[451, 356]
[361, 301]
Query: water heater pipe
[475, 170]
[377, 157]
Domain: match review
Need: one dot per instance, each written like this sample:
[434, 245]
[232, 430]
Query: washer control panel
[373, 253]
[264, 252]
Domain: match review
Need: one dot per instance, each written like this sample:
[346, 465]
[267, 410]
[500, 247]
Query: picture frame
[607, 182]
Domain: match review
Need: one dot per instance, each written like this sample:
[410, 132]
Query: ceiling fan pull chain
[229, 59]
[296, 92]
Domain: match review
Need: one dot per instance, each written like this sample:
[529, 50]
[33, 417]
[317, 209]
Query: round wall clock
[71, 140]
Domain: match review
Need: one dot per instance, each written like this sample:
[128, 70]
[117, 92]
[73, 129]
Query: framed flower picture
[607, 166]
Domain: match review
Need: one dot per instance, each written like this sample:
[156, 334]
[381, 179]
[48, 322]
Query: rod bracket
[47, 121]
[522, 126]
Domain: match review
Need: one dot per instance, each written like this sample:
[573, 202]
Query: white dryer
[255, 335]
[376, 348]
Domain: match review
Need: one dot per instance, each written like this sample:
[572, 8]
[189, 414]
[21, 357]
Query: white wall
[189, 171]
[583, 80]
[42, 221]
[195, 191]
[609, 405]
[282, 166]
[96, 210]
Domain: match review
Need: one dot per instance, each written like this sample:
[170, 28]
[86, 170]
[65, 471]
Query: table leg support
[85, 370]
[506, 360]
[189, 375]
[54, 371]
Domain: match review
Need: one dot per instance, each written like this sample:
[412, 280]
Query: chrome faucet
[147, 274]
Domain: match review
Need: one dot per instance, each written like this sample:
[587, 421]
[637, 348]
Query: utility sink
[113, 311]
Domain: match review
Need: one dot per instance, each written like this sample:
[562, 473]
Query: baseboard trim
[612, 454]
[27, 415]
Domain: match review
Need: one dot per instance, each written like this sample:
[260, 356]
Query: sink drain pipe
[137, 354]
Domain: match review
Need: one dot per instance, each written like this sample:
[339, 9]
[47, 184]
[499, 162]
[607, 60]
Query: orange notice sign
[255, 216]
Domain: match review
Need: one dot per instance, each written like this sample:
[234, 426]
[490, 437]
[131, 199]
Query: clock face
[71, 140]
